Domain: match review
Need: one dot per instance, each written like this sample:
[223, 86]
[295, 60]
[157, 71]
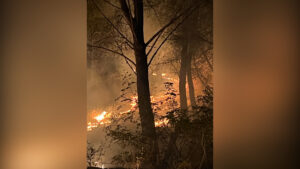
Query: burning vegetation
[161, 116]
[99, 117]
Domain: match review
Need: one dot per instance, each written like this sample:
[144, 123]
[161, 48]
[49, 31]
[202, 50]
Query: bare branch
[112, 51]
[159, 47]
[169, 24]
[155, 12]
[201, 36]
[162, 29]
[126, 11]
[130, 66]
[123, 36]
[131, 47]
[200, 75]
[170, 33]
[207, 59]
[111, 4]
[129, 8]
[120, 48]
[153, 44]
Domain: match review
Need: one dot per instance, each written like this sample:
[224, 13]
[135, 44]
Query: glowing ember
[161, 123]
[91, 126]
[103, 117]
[134, 102]
[165, 76]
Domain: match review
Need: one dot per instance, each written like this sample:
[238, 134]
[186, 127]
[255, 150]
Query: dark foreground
[103, 168]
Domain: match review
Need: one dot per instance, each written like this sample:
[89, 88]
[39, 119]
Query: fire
[102, 119]
[91, 126]
[166, 77]
[161, 123]
[133, 102]
[101, 116]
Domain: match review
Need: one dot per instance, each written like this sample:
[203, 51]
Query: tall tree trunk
[185, 66]
[190, 80]
[150, 147]
[200, 75]
[182, 77]
[186, 72]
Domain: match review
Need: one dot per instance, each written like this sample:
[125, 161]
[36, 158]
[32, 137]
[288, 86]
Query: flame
[160, 123]
[101, 116]
[91, 126]
[166, 76]
[133, 102]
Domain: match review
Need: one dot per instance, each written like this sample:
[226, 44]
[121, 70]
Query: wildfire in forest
[98, 119]
[102, 117]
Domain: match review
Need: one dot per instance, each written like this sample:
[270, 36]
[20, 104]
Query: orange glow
[133, 102]
[165, 76]
[102, 119]
[101, 116]
[161, 123]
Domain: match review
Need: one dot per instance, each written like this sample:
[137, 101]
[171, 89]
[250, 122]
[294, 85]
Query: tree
[133, 14]
[194, 35]
[93, 154]
[194, 38]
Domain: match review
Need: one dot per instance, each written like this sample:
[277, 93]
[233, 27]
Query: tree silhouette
[132, 12]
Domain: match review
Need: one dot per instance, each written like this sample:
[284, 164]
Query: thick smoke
[103, 81]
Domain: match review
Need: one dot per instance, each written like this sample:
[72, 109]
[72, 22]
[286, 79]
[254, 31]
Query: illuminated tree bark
[190, 80]
[185, 77]
[182, 77]
[185, 66]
